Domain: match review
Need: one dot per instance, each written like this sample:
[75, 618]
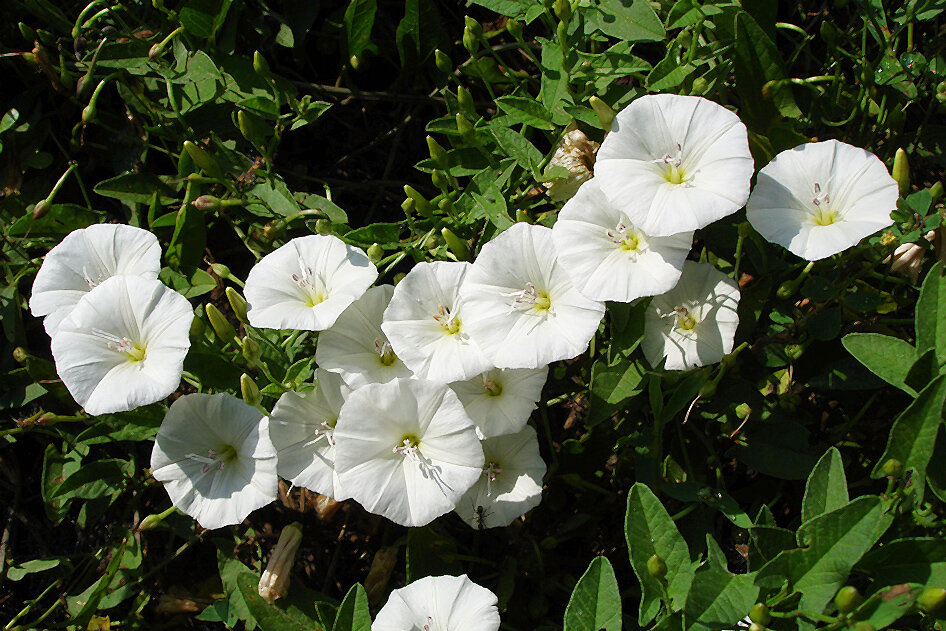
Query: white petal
[439, 603]
[507, 410]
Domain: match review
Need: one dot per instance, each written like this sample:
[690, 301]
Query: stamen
[529, 299]
[429, 621]
[449, 321]
[311, 283]
[493, 388]
[212, 460]
[492, 471]
[120, 344]
[684, 322]
[673, 174]
[823, 215]
[628, 238]
[385, 353]
[93, 281]
[325, 432]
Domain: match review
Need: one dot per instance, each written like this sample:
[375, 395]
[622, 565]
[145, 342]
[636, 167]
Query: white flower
[424, 322]
[694, 323]
[306, 283]
[675, 163]
[576, 153]
[522, 309]
[499, 401]
[355, 346]
[85, 259]
[301, 428]
[511, 484]
[439, 603]
[821, 198]
[216, 461]
[608, 257]
[406, 450]
[123, 345]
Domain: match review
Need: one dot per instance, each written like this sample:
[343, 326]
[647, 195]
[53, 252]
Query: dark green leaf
[912, 560]
[826, 489]
[717, 597]
[889, 358]
[359, 20]
[282, 616]
[353, 614]
[136, 188]
[627, 20]
[430, 553]
[930, 325]
[197, 284]
[595, 603]
[524, 110]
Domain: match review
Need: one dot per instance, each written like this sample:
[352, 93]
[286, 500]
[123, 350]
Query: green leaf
[668, 73]
[197, 16]
[627, 20]
[649, 531]
[617, 383]
[137, 188]
[186, 249]
[381, 233]
[491, 203]
[717, 597]
[353, 614]
[35, 566]
[197, 284]
[930, 307]
[890, 605]
[95, 479]
[831, 544]
[890, 358]
[524, 110]
[595, 603]
[284, 616]
[913, 434]
[826, 489]
[59, 219]
[359, 20]
[758, 61]
[911, 560]
[430, 553]
[518, 147]
[419, 32]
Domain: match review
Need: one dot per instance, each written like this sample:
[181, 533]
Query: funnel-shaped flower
[123, 345]
[511, 484]
[439, 603]
[406, 450]
[821, 198]
[215, 459]
[695, 322]
[306, 283]
[608, 257]
[85, 259]
[675, 163]
[355, 346]
[522, 309]
[301, 428]
[424, 322]
[499, 401]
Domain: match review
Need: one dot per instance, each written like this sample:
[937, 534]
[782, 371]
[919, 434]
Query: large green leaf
[595, 603]
[136, 188]
[282, 616]
[913, 434]
[826, 489]
[830, 546]
[717, 597]
[758, 61]
[890, 358]
[627, 20]
[649, 531]
[930, 308]
[359, 20]
[912, 560]
[525, 110]
[353, 614]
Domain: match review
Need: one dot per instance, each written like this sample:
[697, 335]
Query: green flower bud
[206, 202]
[901, 171]
[443, 62]
[89, 112]
[742, 413]
[251, 351]
[197, 325]
[794, 351]
[237, 303]
[440, 179]
[563, 10]
[522, 216]
[561, 32]
[41, 208]
[27, 31]
[760, 614]
[829, 32]
[375, 253]
[656, 567]
[445, 205]
[437, 153]
[465, 100]
[786, 290]
[936, 191]
[847, 599]
[514, 28]
[20, 355]
[355, 62]
[863, 625]
[221, 270]
[931, 599]
[399, 277]
[459, 247]
[465, 127]
[432, 242]
[260, 65]
[893, 468]
[221, 326]
[603, 111]
[249, 390]
[202, 159]
[475, 27]
[470, 41]
[420, 202]
[699, 87]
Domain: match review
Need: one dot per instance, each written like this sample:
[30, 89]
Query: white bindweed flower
[821, 198]
[576, 153]
[301, 428]
[522, 309]
[406, 450]
[608, 257]
[216, 461]
[695, 322]
[123, 345]
[85, 259]
[511, 484]
[424, 322]
[307, 283]
[675, 163]
[499, 401]
[439, 603]
[355, 346]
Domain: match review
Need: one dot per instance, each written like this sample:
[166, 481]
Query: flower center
[134, 351]
[530, 299]
[93, 281]
[672, 163]
[450, 322]
[685, 322]
[627, 237]
[324, 431]
[823, 214]
[215, 459]
[311, 284]
[493, 388]
[385, 353]
[492, 471]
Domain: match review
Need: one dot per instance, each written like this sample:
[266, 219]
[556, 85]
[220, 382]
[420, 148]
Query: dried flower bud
[326, 507]
[380, 573]
[576, 153]
[907, 259]
[275, 580]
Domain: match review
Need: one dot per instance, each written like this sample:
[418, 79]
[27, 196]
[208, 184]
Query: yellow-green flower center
[685, 322]
[493, 388]
[824, 217]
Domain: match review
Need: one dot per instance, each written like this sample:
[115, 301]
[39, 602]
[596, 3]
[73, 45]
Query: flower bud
[786, 290]
[224, 330]
[864, 625]
[829, 32]
[907, 260]
[893, 468]
[27, 31]
[656, 567]
[221, 270]
[323, 226]
[20, 355]
[742, 413]
[603, 111]
[151, 521]
[382, 565]
[260, 65]
[40, 209]
[760, 614]
[399, 277]
[375, 253]
[459, 247]
[443, 62]
[237, 303]
[420, 202]
[437, 153]
[522, 216]
[465, 127]
[847, 599]
[576, 153]
[465, 100]
[440, 179]
[475, 27]
[202, 159]
[936, 191]
[249, 390]
[755, 626]
[251, 351]
[563, 10]
[514, 28]
[197, 327]
[206, 202]
[470, 41]
[561, 32]
[931, 599]
[275, 580]
[445, 205]
[901, 171]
